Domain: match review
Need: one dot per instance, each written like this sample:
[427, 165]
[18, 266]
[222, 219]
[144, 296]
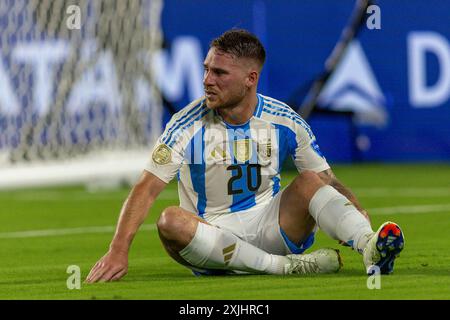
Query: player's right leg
[193, 242]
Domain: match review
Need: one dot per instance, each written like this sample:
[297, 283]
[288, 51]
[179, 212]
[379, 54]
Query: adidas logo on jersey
[218, 154]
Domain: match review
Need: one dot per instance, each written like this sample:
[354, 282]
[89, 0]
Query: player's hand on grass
[111, 267]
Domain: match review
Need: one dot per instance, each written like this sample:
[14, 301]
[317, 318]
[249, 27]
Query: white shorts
[260, 227]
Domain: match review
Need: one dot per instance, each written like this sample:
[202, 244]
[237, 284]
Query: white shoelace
[304, 265]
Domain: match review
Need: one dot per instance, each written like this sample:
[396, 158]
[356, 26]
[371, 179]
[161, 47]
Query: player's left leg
[308, 200]
[295, 220]
[308, 197]
[383, 248]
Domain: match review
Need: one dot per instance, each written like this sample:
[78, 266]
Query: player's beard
[231, 102]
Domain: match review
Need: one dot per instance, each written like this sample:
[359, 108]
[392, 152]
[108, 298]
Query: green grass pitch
[61, 232]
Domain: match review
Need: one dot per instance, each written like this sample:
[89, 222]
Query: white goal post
[78, 96]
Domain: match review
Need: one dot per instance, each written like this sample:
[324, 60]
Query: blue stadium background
[394, 80]
[299, 35]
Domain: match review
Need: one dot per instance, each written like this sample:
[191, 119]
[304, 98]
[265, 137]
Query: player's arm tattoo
[329, 178]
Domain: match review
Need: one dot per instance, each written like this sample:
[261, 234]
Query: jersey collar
[259, 107]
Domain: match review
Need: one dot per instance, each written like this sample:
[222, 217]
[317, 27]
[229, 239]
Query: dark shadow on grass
[189, 276]
[347, 273]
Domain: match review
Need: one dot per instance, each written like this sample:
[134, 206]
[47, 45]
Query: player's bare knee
[307, 183]
[308, 176]
[176, 229]
[168, 221]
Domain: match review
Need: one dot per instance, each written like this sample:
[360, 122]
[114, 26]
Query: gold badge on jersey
[162, 155]
[242, 149]
[265, 150]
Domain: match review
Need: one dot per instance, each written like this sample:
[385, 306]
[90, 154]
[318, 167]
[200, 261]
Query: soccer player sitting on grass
[226, 150]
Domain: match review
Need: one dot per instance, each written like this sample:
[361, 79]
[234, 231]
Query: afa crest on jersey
[242, 149]
[265, 150]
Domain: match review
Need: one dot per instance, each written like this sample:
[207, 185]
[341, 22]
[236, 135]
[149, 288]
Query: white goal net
[78, 99]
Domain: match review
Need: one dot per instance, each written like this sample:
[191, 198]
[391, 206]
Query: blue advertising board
[392, 85]
[395, 78]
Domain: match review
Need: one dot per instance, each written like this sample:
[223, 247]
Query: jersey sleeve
[165, 160]
[306, 152]
[169, 152]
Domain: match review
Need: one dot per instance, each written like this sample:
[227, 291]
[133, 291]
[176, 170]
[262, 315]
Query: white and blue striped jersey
[223, 168]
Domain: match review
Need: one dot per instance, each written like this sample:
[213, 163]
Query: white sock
[214, 248]
[339, 219]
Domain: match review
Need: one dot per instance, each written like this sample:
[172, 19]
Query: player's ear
[252, 78]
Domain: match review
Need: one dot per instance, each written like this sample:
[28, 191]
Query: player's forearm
[135, 210]
[133, 214]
